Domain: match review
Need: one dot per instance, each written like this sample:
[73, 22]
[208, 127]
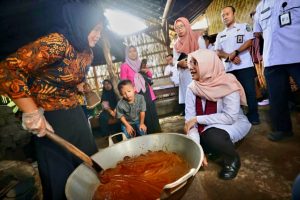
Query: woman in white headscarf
[214, 116]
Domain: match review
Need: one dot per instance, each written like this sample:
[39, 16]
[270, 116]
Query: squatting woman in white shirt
[213, 109]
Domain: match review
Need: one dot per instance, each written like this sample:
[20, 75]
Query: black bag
[148, 80]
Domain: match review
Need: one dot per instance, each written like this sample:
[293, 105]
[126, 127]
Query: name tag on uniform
[285, 19]
[239, 38]
[265, 10]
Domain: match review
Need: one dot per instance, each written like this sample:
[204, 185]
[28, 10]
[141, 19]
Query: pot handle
[171, 188]
[110, 138]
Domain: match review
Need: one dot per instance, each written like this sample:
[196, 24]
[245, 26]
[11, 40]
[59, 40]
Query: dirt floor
[268, 168]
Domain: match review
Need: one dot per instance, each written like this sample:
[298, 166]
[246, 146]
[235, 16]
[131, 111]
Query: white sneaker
[263, 102]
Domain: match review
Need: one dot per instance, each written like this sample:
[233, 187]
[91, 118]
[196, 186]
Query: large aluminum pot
[83, 182]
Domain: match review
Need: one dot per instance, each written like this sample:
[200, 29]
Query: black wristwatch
[236, 52]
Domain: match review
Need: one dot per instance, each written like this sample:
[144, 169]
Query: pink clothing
[128, 73]
[135, 65]
[189, 42]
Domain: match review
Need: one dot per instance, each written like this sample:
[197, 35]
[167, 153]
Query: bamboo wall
[97, 74]
[147, 47]
[243, 10]
[150, 49]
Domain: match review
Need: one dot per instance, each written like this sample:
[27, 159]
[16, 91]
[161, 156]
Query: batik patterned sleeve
[16, 68]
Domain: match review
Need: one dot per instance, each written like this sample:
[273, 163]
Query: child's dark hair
[122, 83]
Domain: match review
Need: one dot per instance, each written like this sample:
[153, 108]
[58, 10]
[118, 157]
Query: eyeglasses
[180, 27]
[193, 62]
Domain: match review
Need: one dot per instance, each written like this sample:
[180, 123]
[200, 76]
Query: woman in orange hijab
[214, 116]
[187, 42]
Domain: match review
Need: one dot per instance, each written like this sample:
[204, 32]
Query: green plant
[4, 100]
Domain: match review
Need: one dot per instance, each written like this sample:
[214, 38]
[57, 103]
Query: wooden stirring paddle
[74, 150]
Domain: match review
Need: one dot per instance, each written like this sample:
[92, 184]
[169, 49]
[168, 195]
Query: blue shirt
[281, 44]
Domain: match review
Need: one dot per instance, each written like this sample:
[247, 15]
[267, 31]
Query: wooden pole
[168, 41]
[111, 68]
[165, 24]
[169, 4]
[96, 80]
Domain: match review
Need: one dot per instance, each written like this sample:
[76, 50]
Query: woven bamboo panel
[243, 10]
[147, 47]
[153, 51]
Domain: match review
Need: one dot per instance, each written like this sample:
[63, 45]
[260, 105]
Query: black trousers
[217, 141]
[105, 128]
[277, 78]
[151, 118]
[247, 78]
[55, 163]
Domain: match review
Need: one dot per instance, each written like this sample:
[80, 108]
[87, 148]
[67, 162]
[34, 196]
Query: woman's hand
[112, 113]
[36, 123]
[143, 127]
[183, 64]
[130, 130]
[189, 124]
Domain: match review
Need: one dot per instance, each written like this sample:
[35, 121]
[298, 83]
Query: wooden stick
[74, 150]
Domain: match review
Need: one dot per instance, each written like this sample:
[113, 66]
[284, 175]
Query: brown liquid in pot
[141, 177]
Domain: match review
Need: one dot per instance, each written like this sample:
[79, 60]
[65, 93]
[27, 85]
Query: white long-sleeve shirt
[229, 116]
[172, 70]
[185, 77]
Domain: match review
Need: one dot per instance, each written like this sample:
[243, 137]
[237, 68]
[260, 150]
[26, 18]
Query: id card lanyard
[285, 17]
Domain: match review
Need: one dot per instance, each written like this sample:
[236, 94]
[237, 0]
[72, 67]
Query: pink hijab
[135, 65]
[214, 82]
[189, 42]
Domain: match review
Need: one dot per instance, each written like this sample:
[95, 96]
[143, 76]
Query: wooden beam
[156, 38]
[96, 80]
[165, 24]
[169, 4]
[168, 41]
[111, 68]
[148, 30]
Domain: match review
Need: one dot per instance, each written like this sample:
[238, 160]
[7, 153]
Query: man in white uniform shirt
[171, 70]
[232, 45]
[279, 22]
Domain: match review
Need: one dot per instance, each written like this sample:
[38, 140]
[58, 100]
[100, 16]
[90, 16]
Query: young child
[131, 110]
